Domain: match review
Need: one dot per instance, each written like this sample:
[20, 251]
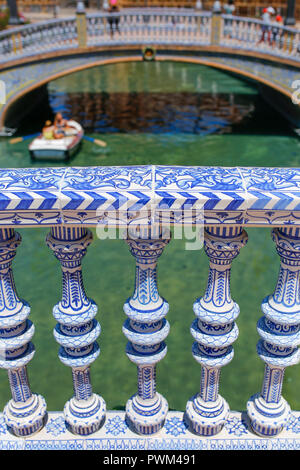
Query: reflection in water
[154, 112]
[153, 98]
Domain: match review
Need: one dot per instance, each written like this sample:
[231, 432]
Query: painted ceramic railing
[154, 26]
[151, 198]
[148, 26]
[254, 35]
[38, 38]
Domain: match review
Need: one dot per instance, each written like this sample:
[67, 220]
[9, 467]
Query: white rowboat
[58, 149]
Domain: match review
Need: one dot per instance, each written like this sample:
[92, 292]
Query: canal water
[153, 113]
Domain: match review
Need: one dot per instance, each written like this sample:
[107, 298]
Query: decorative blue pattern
[116, 426]
[116, 435]
[175, 426]
[293, 424]
[214, 329]
[279, 330]
[109, 195]
[77, 330]
[56, 426]
[3, 428]
[236, 426]
[146, 329]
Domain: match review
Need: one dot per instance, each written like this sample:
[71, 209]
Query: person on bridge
[217, 8]
[266, 26]
[229, 8]
[114, 20]
[277, 32]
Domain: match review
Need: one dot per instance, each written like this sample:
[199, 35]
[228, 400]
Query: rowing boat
[64, 148]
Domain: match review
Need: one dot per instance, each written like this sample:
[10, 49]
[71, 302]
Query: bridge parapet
[156, 27]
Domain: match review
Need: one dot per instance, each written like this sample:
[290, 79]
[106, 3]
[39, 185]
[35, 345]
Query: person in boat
[60, 126]
[48, 130]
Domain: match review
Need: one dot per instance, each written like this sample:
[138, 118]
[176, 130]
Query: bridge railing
[155, 26]
[38, 38]
[148, 202]
[254, 35]
[149, 26]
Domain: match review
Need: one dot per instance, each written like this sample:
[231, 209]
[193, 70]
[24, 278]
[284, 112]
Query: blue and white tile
[109, 178]
[218, 191]
[115, 434]
[30, 196]
[273, 195]
[112, 195]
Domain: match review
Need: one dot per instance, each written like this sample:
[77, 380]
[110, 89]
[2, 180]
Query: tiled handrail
[154, 26]
[252, 34]
[38, 38]
[89, 196]
[225, 201]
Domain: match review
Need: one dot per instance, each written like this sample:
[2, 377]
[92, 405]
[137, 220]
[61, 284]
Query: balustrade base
[267, 419]
[206, 418]
[116, 434]
[24, 419]
[147, 420]
[84, 418]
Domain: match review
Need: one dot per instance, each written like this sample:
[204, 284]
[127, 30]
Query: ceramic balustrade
[155, 26]
[254, 35]
[30, 40]
[77, 329]
[69, 200]
[214, 329]
[279, 329]
[25, 413]
[146, 329]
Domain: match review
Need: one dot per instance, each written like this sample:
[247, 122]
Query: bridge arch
[37, 74]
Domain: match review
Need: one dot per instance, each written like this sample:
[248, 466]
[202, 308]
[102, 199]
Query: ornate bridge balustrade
[247, 33]
[140, 27]
[148, 202]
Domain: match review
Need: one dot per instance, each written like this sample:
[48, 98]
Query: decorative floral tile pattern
[3, 428]
[294, 424]
[175, 435]
[108, 195]
[108, 178]
[116, 426]
[188, 178]
[236, 426]
[56, 426]
[175, 426]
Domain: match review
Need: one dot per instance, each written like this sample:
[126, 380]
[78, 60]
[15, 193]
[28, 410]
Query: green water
[262, 138]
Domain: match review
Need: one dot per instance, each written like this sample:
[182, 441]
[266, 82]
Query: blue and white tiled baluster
[214, 329]
[77, 329]
[146, 328]
[279, 329]
[25, 413]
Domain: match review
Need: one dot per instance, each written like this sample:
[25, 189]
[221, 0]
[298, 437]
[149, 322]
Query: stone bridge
[33, 55]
